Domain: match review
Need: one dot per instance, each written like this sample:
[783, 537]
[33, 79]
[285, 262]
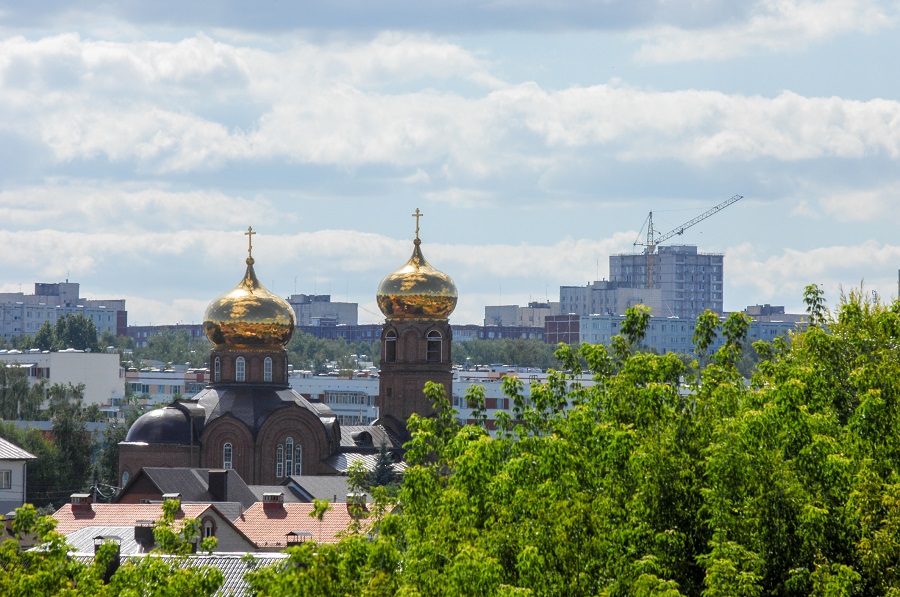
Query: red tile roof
[268, 525]
[71, 519]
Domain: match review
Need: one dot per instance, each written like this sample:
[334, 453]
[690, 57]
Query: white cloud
[198, 105]
[96, 206]
[774, 26]
[858, 205]
[834, 267]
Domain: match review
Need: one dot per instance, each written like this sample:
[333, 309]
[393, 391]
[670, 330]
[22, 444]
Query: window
[6, 479]
[433, 350]
[124, 478]
[209, 528]
[227, 452]
[390, 347]
[298, 460]
[267, 369]
[289, 456]
[239, 369]
[218, 370]
[279, 461]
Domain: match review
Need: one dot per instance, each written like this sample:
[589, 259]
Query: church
[249, 419]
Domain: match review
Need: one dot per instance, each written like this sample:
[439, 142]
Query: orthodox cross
[249, 234]
[417, 215]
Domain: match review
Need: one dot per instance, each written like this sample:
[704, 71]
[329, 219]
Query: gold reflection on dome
[417, 290]
[249, 317]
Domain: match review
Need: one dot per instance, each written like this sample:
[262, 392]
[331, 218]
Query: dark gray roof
[193, 485]
[232, 566]
[366, 436]
[320, 487]
[253, 405]
[10, 451]
[171, 424]
[289, 496]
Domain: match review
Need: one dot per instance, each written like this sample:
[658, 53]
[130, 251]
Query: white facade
[351, 399]
[102, 375]
[160, 386]
[13, 477]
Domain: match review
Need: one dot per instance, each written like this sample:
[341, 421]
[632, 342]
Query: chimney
[356, 505]
[143, 534]
[218, 485]
[273, 501]
[81, 502]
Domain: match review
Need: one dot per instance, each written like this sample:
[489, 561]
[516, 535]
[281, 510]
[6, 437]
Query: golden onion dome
[249, 317]
[417, 290]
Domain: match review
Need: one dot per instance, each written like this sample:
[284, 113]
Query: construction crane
[654, 241]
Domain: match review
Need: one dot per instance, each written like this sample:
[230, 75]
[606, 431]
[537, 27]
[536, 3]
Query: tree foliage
[305, 351]
[175, 347]
[64, 456]
[50, 570]
[660, 478]
[508, 351]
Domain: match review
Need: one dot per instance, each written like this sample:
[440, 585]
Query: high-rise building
[681, 282]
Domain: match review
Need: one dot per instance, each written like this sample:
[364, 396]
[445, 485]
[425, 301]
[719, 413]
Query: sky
[139, 140]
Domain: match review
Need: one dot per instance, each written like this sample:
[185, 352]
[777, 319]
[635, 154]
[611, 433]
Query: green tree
[383, 474]
[651, 481]
[19, 399]
[51, 571]
[44, 338]
[44, 472]
[75, 331]
[176, 347]
[74, 444]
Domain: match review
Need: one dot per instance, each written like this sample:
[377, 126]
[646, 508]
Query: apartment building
[24, 314]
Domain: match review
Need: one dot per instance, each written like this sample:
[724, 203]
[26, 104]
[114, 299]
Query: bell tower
[417, 301]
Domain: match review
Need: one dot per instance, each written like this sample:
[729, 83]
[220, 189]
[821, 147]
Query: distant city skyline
[140, 140]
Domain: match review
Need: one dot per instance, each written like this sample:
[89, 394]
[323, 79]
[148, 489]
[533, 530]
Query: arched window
[433, 347]
[279, 461]
[267, 369]
[227, 452]
[298, 460]
[390, 347]
[124, 478]
[217, 373]
[289, 456]
[209, 528]
[239, 369]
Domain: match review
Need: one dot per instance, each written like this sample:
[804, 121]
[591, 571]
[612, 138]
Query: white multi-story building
[24, 314]
[351, 399]
[160, 386]
[102, 375]
[515, 316]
